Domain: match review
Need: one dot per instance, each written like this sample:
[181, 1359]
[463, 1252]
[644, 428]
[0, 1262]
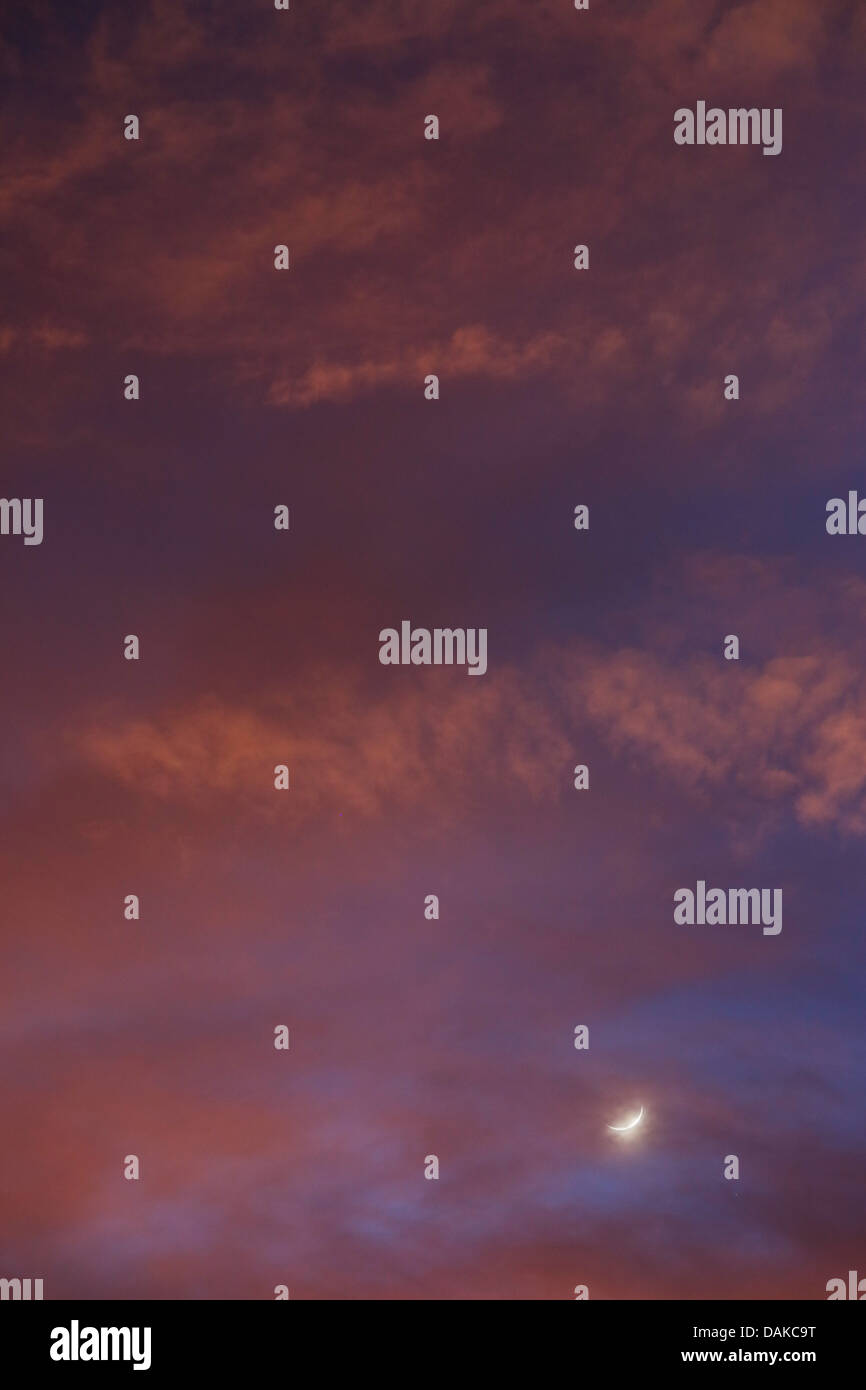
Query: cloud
[472, 351]
[401, 247]
[785, 733]
[412, 1036]
[54, 337]
[763, 39]
[370, 757]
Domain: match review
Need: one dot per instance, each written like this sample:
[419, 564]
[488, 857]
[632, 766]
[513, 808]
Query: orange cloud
[783, 731]
[399, 245]
[471, 351]
[369, 757]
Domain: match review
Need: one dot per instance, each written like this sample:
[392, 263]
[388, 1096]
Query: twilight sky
[258, 647]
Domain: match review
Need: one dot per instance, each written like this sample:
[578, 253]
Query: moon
[620, 1129]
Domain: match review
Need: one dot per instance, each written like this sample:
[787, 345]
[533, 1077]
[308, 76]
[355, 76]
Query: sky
[306, 908]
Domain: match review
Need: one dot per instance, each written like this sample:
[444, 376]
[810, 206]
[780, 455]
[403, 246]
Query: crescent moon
[631, 1124]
